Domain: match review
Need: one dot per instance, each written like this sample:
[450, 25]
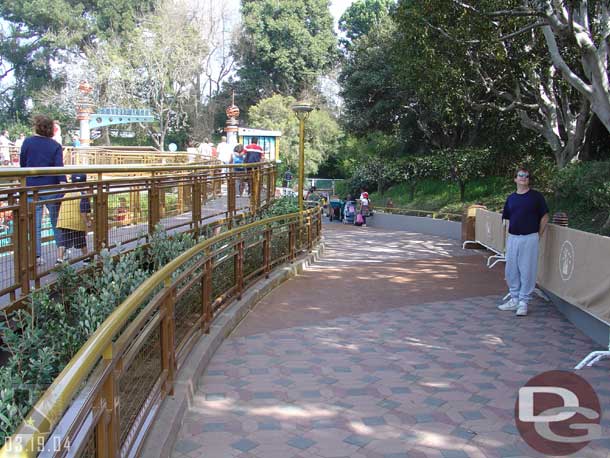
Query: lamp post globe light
[301, 110]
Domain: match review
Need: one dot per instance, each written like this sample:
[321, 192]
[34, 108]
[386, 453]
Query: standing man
[225, 151]
[57, 132]
[254, 153]
[205, 149]
[5, 152]
[527, 215]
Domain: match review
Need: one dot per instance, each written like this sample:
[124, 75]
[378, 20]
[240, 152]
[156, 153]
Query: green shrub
[585, 186]
[41, 341]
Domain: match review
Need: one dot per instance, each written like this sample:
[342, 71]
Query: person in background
[191, 150]
[205, 149]
[57, 132]
[238, 158]
[40, 150]
[364, 206]
[74, 221]
[20, 140]
[527, 215]
[254, 153]
[121, 213]
[75, 141]
[5, 143]
[225, 152]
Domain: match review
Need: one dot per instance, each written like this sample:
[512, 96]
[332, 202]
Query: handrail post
[231, 198]
[270, 186]
[292, 235]
[153, 204]
[33, 268]
[100, 235]
[217, 182]
[204, 186]
[206, 295]
[256, 187]
[267, 251]
[168, 347]
[21, 247]
[251, 184]
[309, 233]
[196, 210]
[238, 267]
[108, 428]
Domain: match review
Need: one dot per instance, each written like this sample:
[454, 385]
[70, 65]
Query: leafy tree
[576, 38]
[157, 68]
[412, 169]
[321, 132]
[36, 32]
[283, 47]
[512, 67]
[376, 174]
[361, 17]
[370, 88]
[460, 165]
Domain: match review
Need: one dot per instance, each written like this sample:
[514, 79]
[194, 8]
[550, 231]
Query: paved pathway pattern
[398, 352]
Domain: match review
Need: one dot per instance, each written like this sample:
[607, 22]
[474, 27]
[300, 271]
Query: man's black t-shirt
[524, 211]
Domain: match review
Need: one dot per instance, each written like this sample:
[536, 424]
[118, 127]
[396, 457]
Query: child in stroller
[349, 212]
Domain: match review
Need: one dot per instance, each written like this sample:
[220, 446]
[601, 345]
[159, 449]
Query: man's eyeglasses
[523, 175]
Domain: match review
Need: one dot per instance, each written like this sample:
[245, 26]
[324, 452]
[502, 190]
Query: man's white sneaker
[522, 309]
[510, 306]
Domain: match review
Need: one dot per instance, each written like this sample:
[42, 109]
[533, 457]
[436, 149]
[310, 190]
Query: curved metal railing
[104, 400]
[113, 155]
[126, 204]
[422, 213]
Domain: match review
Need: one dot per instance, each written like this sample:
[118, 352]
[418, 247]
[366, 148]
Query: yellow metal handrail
[15, 172]
[178, 197]
[53, 403]
[431, 213]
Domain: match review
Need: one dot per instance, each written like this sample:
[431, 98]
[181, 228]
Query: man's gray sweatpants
[521, 265]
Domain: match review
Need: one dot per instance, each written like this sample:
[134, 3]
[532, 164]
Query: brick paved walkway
[391, 350]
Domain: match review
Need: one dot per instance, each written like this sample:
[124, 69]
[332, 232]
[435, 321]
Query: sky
[338, 7]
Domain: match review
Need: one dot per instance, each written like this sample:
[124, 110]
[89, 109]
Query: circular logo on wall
[558, 413]
[566, 260]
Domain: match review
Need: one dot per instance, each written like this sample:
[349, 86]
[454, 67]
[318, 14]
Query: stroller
[349, 212]
[335, 210]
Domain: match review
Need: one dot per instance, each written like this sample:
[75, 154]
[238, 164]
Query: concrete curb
[164, 432]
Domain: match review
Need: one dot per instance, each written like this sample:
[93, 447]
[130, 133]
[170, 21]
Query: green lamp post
[302, 110]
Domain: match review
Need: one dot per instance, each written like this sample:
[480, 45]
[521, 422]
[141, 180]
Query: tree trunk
[606, 226]
[105, 137]
[462, 185]
[412, 192]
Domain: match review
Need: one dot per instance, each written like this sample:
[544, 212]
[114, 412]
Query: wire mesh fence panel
[253, 257]
[44, 213]
[90, 448]
[176, 206]
[223, 276]
[280, 245]
[127, 216]
[8, 240]
[74, 222]
[188, 307]
[137, 381]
